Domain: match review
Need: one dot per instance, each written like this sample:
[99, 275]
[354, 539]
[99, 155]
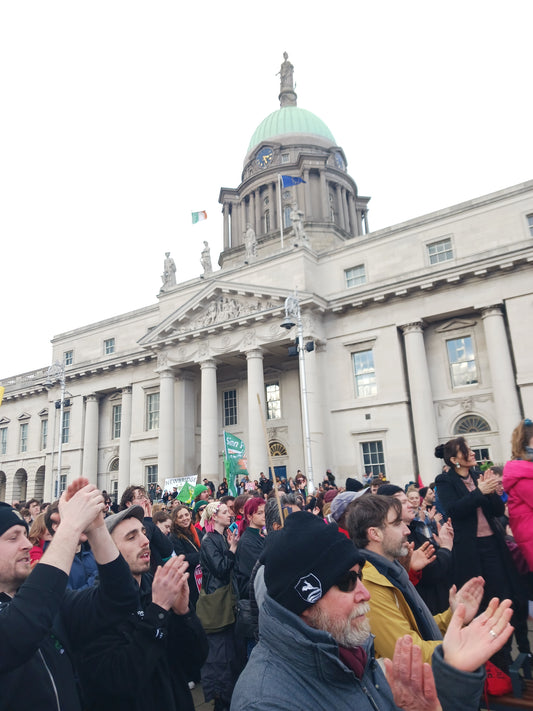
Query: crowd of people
[283, 596]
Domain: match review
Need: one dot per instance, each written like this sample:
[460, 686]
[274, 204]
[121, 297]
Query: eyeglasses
[348, 582]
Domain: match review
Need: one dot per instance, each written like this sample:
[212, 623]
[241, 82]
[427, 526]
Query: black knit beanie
[305, 559]
[9, 517]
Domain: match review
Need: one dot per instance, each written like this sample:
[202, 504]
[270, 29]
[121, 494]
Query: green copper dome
[289, 119]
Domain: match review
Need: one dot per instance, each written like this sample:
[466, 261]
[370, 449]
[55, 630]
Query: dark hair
[32, 501]
[160, 516]
[180, 532]
[52, 509]
[450, 448]
[238, 504]
[128, 494]
[226, 498]
[369, 511]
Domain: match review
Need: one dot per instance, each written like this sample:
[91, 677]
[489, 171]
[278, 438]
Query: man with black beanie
[41, 626]
[315, 649]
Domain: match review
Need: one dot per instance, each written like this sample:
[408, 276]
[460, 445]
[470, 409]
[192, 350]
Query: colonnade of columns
[507, 407]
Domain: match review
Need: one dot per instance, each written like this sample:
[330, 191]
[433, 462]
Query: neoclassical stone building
[419, 332]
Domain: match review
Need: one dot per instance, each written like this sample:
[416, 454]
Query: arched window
[277, 449]
[470, 424]
[113, 467]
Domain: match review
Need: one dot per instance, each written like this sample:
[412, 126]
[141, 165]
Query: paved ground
[201, 705]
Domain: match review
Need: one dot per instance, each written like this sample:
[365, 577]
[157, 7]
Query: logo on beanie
[309, 588]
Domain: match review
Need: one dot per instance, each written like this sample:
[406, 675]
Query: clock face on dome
[339, 162]
[264, 157]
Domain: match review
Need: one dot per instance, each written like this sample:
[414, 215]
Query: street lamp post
[293, 317]
[56, 373]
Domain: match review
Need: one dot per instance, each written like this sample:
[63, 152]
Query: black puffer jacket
[216, 560]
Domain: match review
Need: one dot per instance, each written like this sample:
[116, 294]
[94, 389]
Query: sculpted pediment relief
[221, 309]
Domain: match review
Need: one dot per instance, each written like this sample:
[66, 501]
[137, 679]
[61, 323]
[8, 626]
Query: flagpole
[280, 215]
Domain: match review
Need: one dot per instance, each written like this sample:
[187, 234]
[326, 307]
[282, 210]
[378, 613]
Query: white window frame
[116, 420]
[44, 432]
[151, 418]
[355, 276]
[439, 256]
[529, 219]
[3, 440]
[359, 378]
[376, 466]
[23, 438]
[68, 357]
[229, 410]
[66, 427]
[109, 346]
[151, 471]
[271, 411]
[453, 383]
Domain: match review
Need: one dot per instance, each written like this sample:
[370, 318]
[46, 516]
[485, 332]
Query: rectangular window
[273, 401]
[230, 407]
[482, 455]
[287, 222]
[109, 346]
[285, 157]
[117, 420]
[462, 361]
[67, 357]
[151, 475]
[152, 411]
[3, 440]
[440, 251]
[355, 275]
[44, 433]
[365, 374]
[62, 486]
[23, 437]
[530, 224]
[65, 432]
[373, 459]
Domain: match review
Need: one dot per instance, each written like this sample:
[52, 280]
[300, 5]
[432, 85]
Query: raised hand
[422, 556]
[467, 648]
[469, 595]
[80, 505]
[488, 482]
[167, 585]
[411, 682]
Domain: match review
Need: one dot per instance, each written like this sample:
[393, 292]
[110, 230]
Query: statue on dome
[296, 217]
[169, 273]
[250, 244]
[286, 73]
[205, 259]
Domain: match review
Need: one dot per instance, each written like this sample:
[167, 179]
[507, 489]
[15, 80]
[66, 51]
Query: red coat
[518, 483]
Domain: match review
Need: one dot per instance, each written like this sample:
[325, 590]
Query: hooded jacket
[298, 667]
[518, 483]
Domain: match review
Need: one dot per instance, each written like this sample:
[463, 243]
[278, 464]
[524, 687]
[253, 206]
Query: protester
[41, 625]
[160, 546]
[185, 541]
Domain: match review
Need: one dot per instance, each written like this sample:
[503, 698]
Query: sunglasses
[348, 582]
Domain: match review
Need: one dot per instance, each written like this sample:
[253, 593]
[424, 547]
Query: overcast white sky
[118, 118]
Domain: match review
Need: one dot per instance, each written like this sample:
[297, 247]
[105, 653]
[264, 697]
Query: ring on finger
[493, 634]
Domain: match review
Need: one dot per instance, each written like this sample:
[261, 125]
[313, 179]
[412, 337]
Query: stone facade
[420, 331]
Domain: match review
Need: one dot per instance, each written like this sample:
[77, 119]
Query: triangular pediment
[455, 324]
[23, 416]
[218, 306]
[4, 421]
[43, 412]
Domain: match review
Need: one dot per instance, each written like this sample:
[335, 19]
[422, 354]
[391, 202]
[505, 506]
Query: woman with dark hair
[185, 541]
[251, 542]
[470, 499]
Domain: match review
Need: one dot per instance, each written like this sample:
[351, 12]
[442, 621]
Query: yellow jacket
[391, 617]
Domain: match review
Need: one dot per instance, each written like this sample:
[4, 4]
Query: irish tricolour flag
[199, 216]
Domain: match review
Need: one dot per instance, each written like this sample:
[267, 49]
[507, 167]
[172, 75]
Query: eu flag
[288, 180]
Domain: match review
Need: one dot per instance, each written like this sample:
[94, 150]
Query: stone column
[345, 209]
[185, 424]
[209, 420]
[165, 460]
[124, 452]
[225, 212]
[90, 440]
[422, 407]
[273, 207]
[325, 195]
[340, 209]
[256, 446]
[507, 406]
[234, 224]
[308, 203]
[353, 218]
[257, 217]
[315, 404]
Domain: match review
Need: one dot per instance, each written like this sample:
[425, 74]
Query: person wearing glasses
[315, 649]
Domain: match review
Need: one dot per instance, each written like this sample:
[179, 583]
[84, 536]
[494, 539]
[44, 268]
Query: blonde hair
[38, 529]
[520, 439]
[208, 514]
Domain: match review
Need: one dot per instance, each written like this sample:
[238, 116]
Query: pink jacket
[518, 483]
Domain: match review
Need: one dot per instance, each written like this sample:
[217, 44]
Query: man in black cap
[41, 626]
[147, 659]
[315, 649]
